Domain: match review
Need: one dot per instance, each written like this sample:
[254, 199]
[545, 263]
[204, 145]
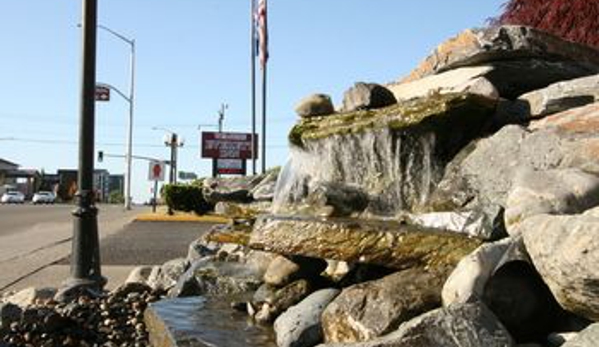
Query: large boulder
[523, 59]
[388, 244]
[366, 96]
[165, 277]
[565, 251]
[461, 325]
[560, 97]
[466, 79]
[396, 155]
[484, 172]
[283, 271]
[589, 337]
[371, 309]
[269, 302]
[557, 191]
[300, 325]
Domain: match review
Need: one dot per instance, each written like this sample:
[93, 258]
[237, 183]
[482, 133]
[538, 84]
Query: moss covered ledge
[400, 116]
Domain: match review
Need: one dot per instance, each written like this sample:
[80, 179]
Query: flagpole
[253, 81]
[264, 117]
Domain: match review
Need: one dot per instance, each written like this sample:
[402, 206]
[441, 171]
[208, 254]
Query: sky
[192, 56]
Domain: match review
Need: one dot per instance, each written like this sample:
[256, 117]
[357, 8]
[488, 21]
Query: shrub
[186, 198]
[116, 197]
[574, 20]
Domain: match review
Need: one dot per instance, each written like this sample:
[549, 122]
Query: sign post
[156, 173]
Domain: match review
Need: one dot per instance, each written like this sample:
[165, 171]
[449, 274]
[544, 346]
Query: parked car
[13, 197]
[43, 197]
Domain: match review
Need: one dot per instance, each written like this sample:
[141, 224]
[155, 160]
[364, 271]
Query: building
[13, 178]
[104, 184]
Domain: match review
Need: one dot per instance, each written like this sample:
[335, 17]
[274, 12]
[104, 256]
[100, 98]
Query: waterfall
[396, 168]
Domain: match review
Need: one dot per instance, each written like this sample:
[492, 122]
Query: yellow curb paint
[159, 217]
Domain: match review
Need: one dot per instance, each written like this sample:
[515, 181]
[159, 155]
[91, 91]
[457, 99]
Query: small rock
[9, 313]
[366, 96]
[315, 105]
[300, 325]
[139, 274]
[589, 337]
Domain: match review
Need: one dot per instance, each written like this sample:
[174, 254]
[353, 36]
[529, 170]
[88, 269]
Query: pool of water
[211, 322]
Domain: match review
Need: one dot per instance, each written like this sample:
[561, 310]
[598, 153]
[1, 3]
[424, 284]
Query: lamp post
[85, 259]
[130, 99]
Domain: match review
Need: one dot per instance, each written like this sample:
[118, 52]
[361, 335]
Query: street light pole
[130, 99]
[85, 260]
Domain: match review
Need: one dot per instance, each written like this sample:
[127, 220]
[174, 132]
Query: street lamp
[130, 100]
[172, 140]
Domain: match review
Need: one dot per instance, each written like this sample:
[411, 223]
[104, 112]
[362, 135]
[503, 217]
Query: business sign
[156, 172]
[230, 166]
[102, 93]
[228, 145]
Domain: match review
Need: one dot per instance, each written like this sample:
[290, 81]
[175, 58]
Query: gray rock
[283, 271]
[166, 276]
[366, 96]
[343, 200]
[300, 325]
[466, 79]
[315, 105]
[31, 296]
[475, 223]
[558, 339]
[210, 277]
[231, 189]
[523, 59]
[560, 191]
[272, 302]
[462, 325]
[371, 309]
[562, 96]
[565, 251]
[9, 313]
[589, 337]
[139, 274]
[468, 280]
[201, 248]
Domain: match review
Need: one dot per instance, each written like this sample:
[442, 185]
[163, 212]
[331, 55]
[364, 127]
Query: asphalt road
[149, 243]
[34, 237]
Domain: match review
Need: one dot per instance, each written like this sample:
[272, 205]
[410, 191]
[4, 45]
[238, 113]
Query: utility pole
[85, 259]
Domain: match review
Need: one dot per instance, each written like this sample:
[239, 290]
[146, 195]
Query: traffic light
[100, 156]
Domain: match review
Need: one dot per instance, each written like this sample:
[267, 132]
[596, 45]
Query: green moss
[399, 116]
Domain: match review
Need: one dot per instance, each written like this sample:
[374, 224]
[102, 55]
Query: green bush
[186, 198]
[116, 197]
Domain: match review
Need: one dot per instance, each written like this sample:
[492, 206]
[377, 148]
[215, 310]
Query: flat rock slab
[388, 244]
[201, 322]
[511, 50]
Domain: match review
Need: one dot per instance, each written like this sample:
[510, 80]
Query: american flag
[262, 30]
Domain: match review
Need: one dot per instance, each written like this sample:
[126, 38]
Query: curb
[160, 217]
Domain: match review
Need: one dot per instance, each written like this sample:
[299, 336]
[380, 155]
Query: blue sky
[192, 55]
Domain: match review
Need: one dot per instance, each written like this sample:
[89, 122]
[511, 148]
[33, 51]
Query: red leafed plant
[574, 20]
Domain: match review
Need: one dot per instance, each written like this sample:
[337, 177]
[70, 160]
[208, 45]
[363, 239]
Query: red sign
[156, 171]
[230, 166]
[228, 145]
[102, 93]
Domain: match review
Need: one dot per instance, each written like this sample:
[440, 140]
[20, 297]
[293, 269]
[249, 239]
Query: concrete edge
[163, 217]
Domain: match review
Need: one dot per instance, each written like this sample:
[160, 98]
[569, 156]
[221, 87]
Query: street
[35, 237]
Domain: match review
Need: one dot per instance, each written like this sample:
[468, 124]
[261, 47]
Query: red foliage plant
[574, 20]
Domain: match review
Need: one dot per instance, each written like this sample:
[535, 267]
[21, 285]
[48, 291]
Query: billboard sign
[230, 166]
[219, 145]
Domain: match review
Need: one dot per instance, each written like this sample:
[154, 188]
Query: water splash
[396, 168]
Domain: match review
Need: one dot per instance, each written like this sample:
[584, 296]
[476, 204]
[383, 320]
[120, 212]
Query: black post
[85, 258]
[155, 196]
[264, 90]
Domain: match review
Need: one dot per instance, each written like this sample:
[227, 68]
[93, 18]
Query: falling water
[396, 168]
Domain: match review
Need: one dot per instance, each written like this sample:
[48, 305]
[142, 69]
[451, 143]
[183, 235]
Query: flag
[262, 32]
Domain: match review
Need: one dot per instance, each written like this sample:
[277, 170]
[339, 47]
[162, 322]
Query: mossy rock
[429, 112]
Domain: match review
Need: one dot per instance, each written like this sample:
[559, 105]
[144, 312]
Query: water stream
[397, 169]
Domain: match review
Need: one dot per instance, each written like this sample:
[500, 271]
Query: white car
[13, 197]
[43, 197]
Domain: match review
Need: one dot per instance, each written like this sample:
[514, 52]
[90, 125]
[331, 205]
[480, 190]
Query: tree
[574, 20]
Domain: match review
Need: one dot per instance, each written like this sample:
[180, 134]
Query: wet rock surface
[390, 244]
